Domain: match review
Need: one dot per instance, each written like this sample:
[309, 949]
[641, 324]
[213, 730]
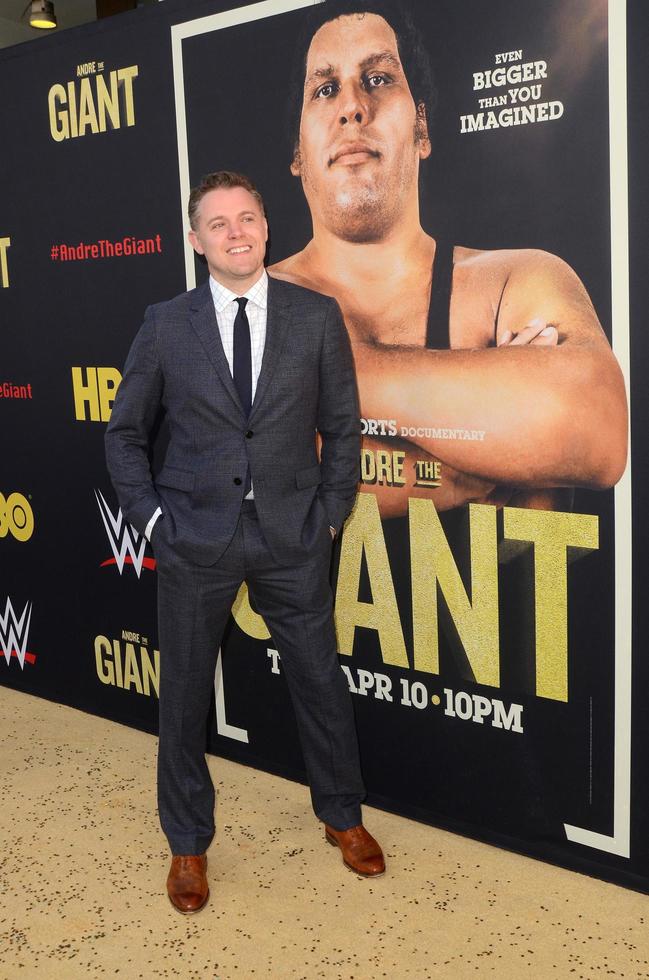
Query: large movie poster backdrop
[482, 591]
[510, 675]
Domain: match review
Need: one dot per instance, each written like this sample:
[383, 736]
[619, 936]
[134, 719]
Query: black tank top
[438, 332]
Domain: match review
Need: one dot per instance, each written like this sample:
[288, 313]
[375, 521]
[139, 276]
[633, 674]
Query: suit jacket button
[249, 434]
[237, 481]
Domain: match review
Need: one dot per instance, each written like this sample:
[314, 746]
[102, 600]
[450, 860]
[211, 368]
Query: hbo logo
[16, 517]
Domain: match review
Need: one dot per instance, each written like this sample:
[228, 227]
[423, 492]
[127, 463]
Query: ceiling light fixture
[42, 14]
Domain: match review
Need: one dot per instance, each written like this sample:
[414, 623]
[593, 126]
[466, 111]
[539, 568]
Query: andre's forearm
[394, 470]
[551, 416]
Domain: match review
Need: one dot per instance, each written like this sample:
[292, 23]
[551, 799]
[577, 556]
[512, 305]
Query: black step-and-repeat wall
[484, 585]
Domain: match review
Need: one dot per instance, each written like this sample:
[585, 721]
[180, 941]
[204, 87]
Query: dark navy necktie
[242, 365]
[242, 360]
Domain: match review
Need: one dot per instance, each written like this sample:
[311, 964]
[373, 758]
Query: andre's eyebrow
[383, 58]
[318, 73]
[372, 61]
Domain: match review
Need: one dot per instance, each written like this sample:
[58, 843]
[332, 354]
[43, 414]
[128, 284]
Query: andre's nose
[353, 105]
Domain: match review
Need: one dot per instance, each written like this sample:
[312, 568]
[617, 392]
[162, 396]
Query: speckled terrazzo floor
[83, 865]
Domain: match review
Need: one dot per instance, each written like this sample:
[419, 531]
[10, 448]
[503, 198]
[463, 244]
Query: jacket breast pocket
[309, 477]
[171, 476]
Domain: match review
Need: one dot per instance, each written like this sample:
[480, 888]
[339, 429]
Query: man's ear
[195, 243]
[296, 162]
[421, 132]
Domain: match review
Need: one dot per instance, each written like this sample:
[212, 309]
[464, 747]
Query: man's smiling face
[231, 232]
[361, 135]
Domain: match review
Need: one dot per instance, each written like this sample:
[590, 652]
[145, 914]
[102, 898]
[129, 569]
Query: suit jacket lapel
[203, 321]
[277, 327]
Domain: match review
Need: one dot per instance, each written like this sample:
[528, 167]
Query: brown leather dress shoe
[361, 853]
[187, 882]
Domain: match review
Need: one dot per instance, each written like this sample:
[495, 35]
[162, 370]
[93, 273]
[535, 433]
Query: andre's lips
[349, 154]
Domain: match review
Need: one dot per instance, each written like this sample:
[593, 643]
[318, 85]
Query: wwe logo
[14, 633]
[126, 543]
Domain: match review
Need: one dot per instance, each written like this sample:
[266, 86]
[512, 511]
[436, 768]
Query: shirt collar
[257, 293]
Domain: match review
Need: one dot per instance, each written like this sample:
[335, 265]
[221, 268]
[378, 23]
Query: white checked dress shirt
[226, 308]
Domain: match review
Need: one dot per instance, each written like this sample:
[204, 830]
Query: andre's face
[361, 136]
[231, 232]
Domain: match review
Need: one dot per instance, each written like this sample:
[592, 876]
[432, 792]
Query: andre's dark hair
[212, 182]
[412, 53]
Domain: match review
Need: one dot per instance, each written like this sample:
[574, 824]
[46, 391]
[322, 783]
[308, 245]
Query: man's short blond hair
[214, 181]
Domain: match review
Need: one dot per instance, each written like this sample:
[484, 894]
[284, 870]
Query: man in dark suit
[249, 370]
